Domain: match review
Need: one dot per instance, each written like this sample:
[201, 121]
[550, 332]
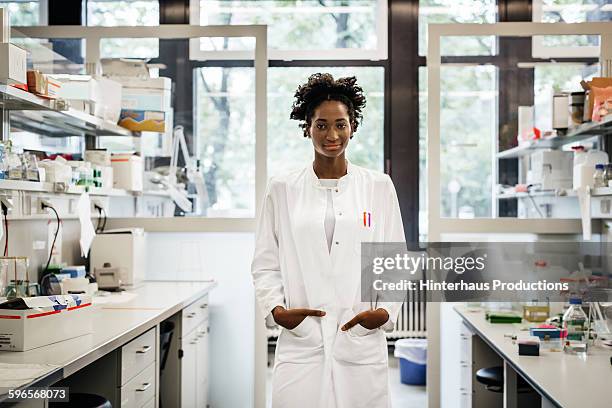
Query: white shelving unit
[583, 132]
[32, 113]
[35, 186]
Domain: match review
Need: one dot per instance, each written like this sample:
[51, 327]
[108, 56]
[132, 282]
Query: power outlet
[40, 209]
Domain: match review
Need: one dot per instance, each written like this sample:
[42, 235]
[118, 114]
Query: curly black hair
[323, 87]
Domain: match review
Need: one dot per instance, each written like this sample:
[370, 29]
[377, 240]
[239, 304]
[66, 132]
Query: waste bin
[412, 354]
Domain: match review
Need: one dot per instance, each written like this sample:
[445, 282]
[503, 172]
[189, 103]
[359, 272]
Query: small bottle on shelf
[598, 178]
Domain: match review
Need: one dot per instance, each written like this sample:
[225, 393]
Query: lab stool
[82, 400]
[493, 380]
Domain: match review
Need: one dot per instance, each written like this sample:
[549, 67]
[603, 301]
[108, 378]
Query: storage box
[143, 121]
[128, 172]
[22, 330]
[77, 87]
[43, 85]
[13, 64]
[152, 94]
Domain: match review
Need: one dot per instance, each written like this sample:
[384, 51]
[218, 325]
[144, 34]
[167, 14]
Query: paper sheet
[584, 200]
[114, 298]
[87, 229]
[17, 375]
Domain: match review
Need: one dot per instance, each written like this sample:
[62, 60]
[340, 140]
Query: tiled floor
[402, 395]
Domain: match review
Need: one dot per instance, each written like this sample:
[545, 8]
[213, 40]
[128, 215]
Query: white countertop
[116, 322]
[567, 380]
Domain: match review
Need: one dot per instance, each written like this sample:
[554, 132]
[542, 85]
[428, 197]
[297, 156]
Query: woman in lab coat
[332, 351]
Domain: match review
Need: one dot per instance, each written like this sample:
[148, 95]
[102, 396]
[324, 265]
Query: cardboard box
[143, 121]
[43, 85]
[77, 87]
[128, 172]
[22, 330]
[152, 94]
[13, 63]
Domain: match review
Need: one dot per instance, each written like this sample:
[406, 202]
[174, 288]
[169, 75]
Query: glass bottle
[598, 177]
[575, 323]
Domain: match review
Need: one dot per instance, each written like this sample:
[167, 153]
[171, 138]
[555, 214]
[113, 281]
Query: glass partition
[508, 126]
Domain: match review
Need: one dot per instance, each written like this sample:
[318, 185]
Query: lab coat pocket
[359, 345]
[305, 327]
[302, 344]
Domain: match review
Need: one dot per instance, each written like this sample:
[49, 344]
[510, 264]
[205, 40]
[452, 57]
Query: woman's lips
[332, 146]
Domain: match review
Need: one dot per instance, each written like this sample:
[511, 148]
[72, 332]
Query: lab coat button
[336, 190]
[337, 243]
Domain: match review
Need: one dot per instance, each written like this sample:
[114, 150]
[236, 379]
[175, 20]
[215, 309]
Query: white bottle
[584, 165]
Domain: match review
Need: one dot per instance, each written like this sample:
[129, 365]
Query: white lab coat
[317, 364]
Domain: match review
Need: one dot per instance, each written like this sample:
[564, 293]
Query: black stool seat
[82, 400]
[493, 379]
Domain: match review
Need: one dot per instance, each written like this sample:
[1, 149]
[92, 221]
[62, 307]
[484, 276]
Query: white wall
[225, 257]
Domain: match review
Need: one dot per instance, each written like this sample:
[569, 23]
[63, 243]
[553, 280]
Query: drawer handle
[144, 387]
[191, 315]
[143, 350]
[204, 306]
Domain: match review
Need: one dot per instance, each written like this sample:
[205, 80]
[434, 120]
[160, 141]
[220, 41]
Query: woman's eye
[320, 126]
[341, 125]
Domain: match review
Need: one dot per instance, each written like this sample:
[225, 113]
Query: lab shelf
[35, 114]
[602, 192]
[45, 187]
[583, 132]
[541, 193]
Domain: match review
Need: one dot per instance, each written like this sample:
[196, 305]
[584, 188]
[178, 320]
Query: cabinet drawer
[140, 389]
[137, 354]
[194, 314]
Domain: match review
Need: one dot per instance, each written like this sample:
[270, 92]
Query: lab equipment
[598, 176]
[560, 112]
[108, 277]
[550, 169]
[608, 175]
[576, 109]
[536, 313]
[12, 64]
[503, 317]
[15, 270]
[44, 320]
[575, 323]
[529, 347]
[128, 171]
[123, 249]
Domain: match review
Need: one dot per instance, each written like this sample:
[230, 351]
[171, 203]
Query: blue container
[412, 373]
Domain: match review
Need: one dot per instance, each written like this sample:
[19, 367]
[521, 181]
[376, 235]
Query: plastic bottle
[584, 165]
[598, 176]
[575, 324]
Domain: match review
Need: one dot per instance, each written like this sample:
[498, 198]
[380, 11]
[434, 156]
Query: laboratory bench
[121, 358]
[560, 379]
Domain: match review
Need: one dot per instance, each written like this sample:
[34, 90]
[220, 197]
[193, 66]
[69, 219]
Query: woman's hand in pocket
[291, 318]
[370, 319]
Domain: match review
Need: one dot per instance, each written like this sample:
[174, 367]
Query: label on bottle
[576, 329]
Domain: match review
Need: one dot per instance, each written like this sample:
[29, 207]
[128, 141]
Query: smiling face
[330, 129]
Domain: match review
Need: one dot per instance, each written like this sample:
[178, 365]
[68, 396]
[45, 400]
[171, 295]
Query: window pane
[288, 149]
[225, 109]
[23, 13]
[123, 13]
[458, 11]
[467, 140]
[306, 24]
[572, 11]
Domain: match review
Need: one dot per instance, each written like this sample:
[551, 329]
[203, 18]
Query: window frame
[378, 54]
[541, 51]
